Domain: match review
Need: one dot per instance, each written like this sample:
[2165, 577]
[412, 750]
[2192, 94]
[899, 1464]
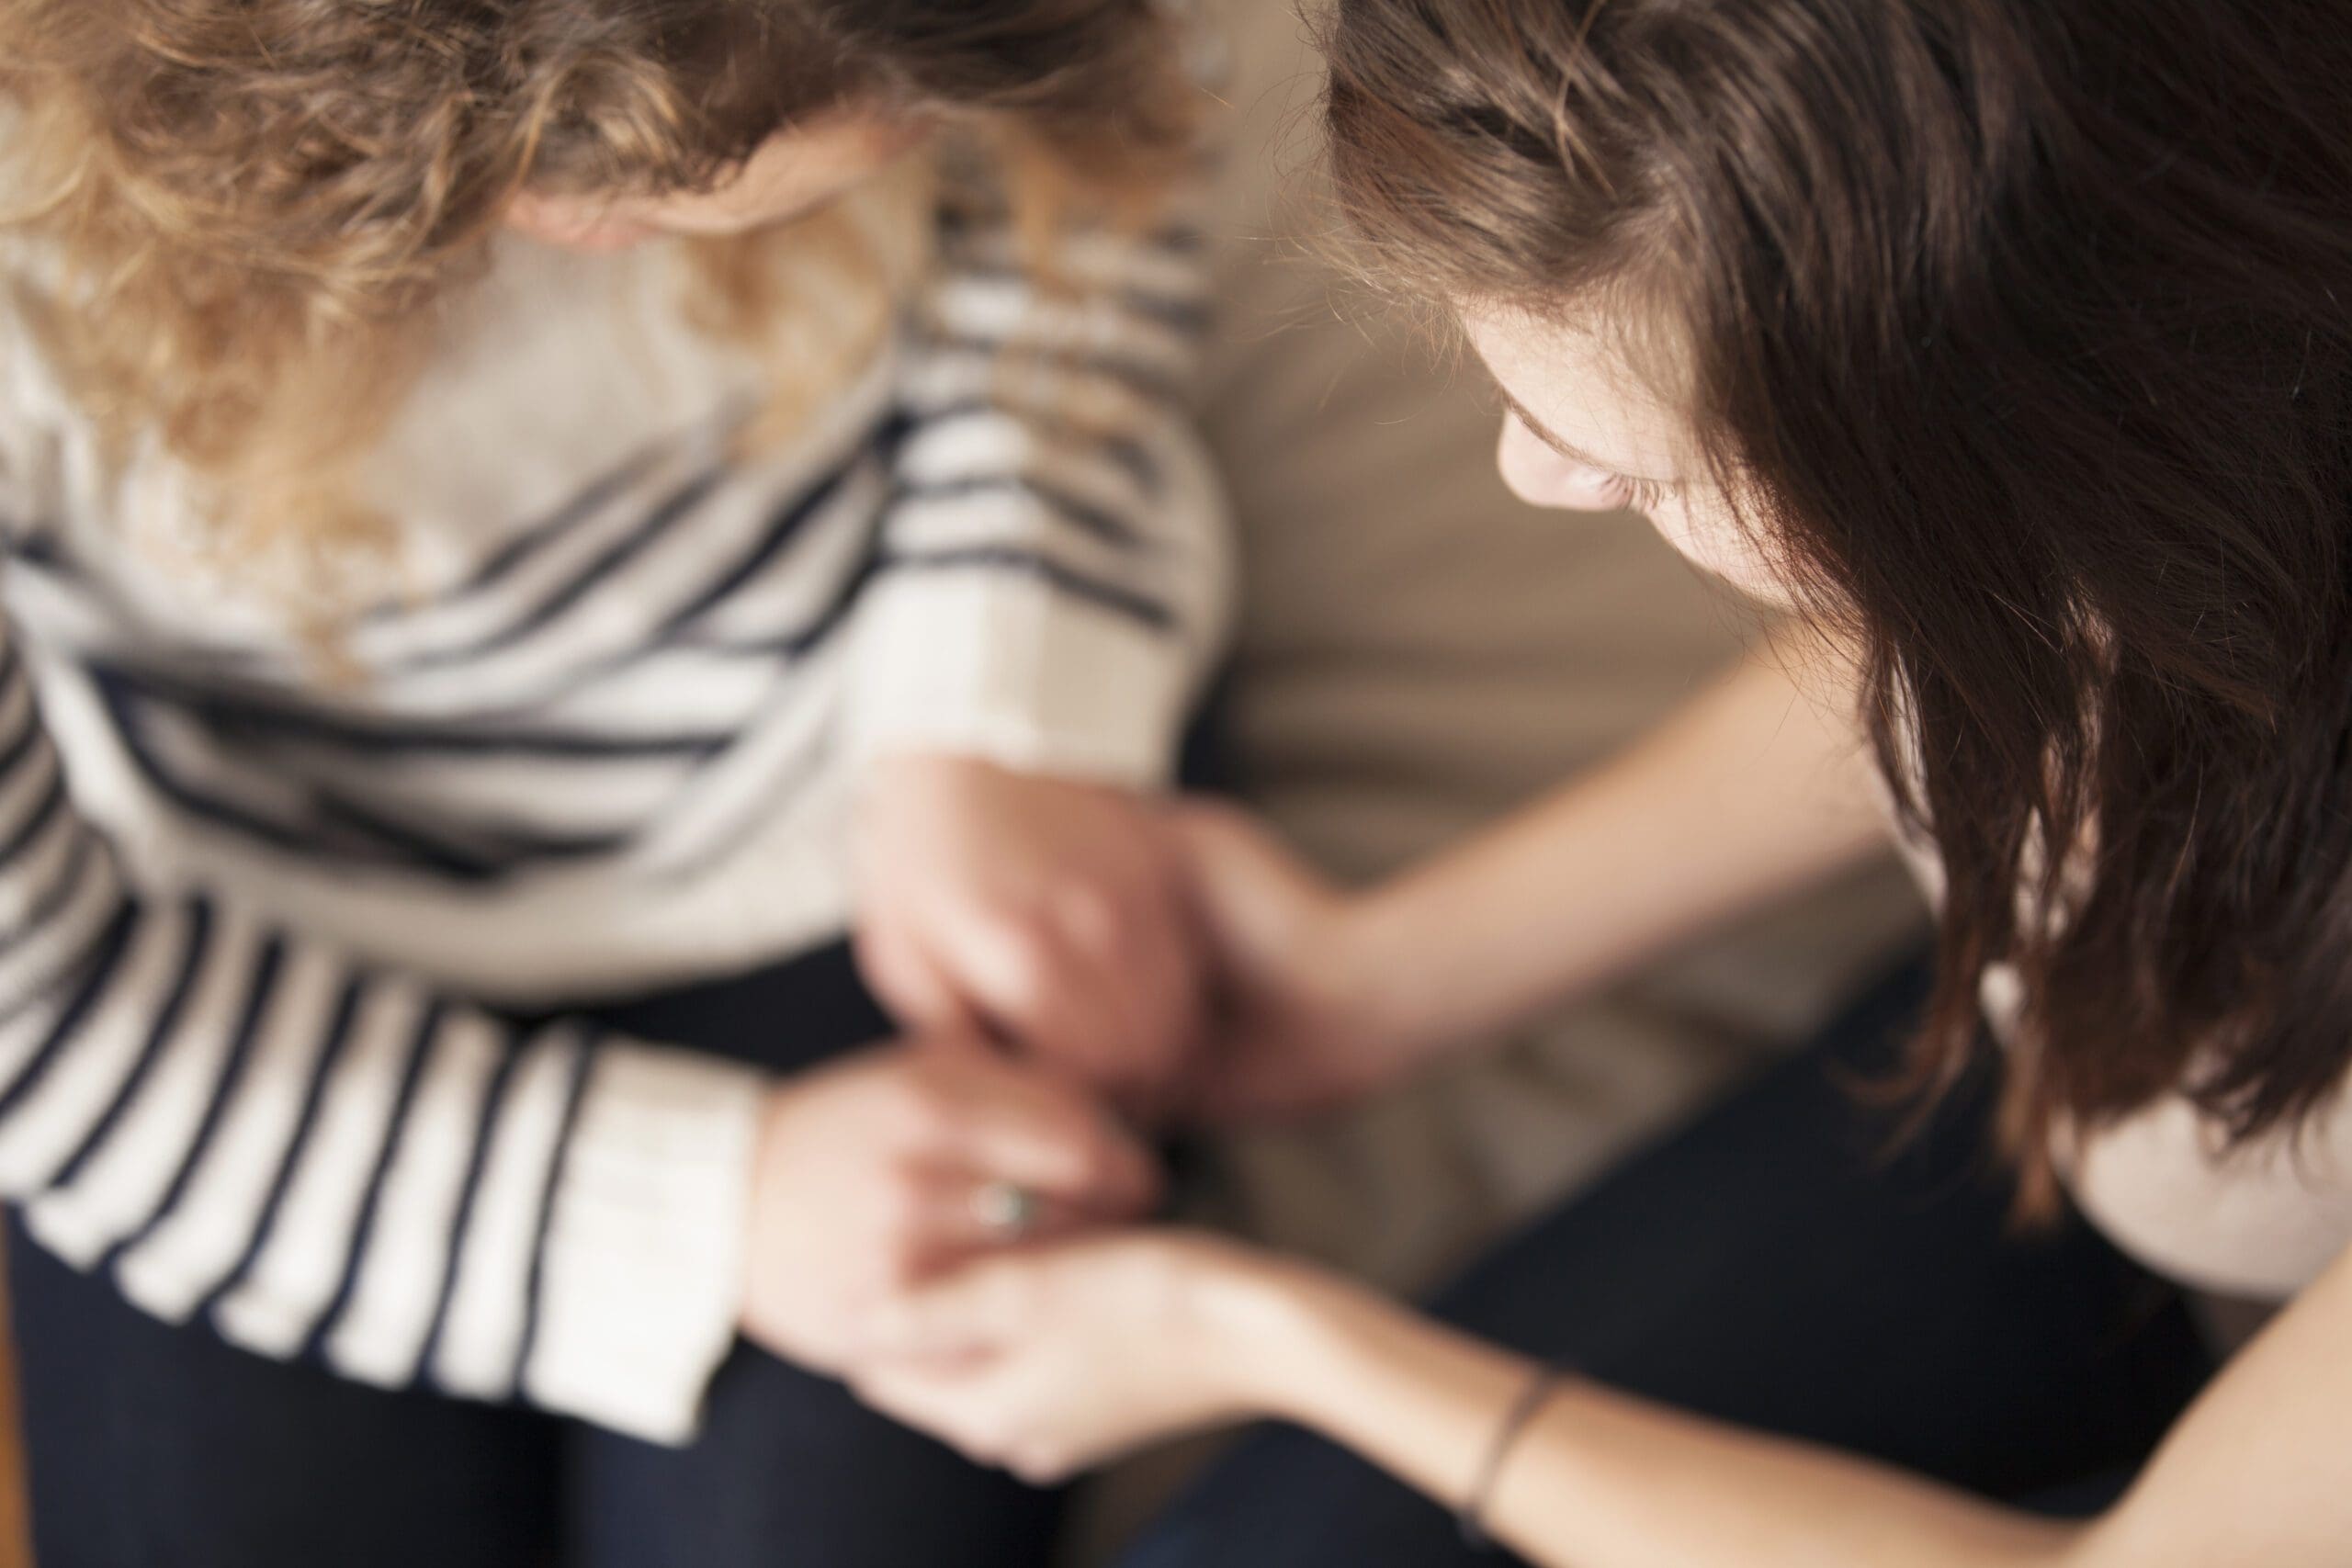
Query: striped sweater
[603, 739]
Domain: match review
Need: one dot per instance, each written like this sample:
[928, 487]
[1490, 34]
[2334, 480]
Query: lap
[1772, 1264]
[163, 1445]
[790, 1468]
[155, 1446]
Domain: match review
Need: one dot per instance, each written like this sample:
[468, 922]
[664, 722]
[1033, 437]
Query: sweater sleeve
[325, 1160]
[1054, 579]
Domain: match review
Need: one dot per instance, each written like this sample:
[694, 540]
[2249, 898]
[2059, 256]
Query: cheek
[1540, 476]
[1707, 536]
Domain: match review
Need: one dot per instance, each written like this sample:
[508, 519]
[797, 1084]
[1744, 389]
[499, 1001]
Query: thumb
[968, 1312]
[1253, 890]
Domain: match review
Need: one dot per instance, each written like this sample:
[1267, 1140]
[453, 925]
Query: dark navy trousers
[1780, 1262]
[156, 1446]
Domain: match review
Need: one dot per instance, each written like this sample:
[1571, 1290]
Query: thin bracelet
[1471, 1517]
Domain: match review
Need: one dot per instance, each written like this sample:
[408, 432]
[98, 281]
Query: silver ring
[1005, 1210]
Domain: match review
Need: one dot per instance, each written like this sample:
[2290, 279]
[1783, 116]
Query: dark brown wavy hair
[2021, 330]
[244, 212]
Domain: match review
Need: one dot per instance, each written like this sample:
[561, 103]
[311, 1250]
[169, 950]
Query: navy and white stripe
[634, 699]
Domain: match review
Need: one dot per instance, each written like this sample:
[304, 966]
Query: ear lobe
[574, 222]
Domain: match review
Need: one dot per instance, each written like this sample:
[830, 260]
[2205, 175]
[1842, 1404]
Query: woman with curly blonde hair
[529, 523]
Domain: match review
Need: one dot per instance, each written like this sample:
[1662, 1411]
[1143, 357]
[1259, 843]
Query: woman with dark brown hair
[2008, 344]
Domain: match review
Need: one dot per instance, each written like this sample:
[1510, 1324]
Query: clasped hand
[1072, 962]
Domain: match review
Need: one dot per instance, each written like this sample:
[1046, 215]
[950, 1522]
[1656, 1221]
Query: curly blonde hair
[250, 208]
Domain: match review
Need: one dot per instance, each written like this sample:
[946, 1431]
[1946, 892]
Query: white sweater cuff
[1013, 669]
[641, 1270]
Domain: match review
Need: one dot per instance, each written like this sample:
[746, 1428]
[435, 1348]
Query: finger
[1138, 934]
[1020, 1125]
[976, 1309]
[1108, 1043]
[1083, 1158]
[1038, 991]
[946, 1401]
[1227, 856]
[988, 1407]
[1171, 982]
[949, 1219]
[909, 984]
[1248, 887]
[910, 1396]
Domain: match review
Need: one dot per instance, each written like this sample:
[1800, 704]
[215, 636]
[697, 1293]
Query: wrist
[1392, 964]
[1282, 1329]
[1332, 1356]
[882, 776]
[771, 1138]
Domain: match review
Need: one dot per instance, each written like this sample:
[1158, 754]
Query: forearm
[2253, 1472]
[247, 1127]
[1601, 1480]
[1756, 788]
[1053, 579]
[1029, 1356]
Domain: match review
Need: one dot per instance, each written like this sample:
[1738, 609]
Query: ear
[575, 223]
